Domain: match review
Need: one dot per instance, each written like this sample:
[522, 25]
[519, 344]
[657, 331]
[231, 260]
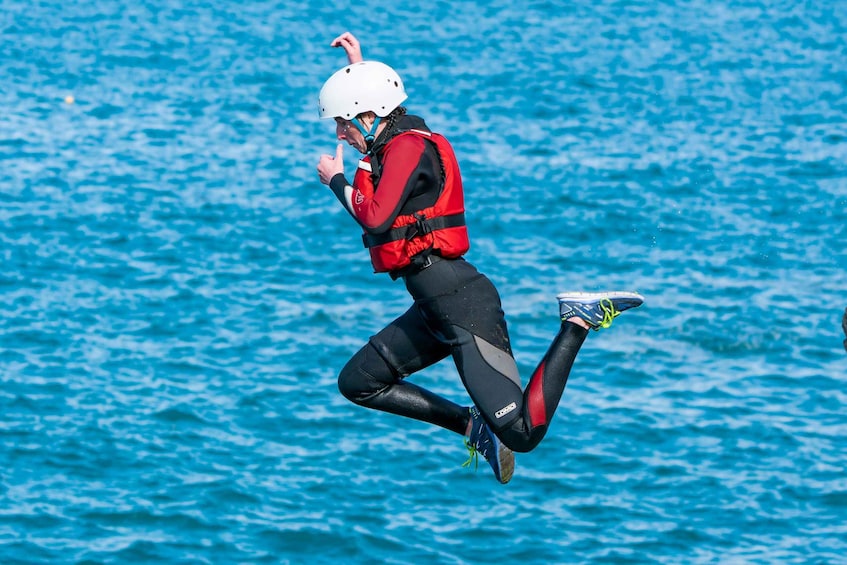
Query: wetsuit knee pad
[364, 375]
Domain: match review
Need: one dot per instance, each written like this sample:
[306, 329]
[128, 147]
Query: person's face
[347, 131]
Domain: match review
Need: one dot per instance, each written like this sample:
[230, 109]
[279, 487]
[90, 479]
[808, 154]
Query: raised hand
[329, 166]
[351, 46]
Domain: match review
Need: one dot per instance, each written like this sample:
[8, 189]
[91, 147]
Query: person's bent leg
[368, 380]
[578, 311]
[544, 390]
[474, 324]
[374, 377]
[520, 418]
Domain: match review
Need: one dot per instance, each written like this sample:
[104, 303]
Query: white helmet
[368, 86]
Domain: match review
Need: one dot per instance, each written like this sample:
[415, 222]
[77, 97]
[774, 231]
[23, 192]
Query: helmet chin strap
[368, 135]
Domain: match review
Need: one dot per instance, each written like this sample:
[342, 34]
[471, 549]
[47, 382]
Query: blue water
[178, 291]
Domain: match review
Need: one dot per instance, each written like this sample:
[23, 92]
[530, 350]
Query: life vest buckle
[420, 228]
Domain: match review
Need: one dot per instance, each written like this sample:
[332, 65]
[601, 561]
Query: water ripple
[173, 318]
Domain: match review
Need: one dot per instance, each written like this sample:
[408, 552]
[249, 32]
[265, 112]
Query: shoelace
[609, 313]
[473, 455]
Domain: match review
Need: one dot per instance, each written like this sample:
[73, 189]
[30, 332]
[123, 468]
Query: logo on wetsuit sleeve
[505, 410]
[359, 197]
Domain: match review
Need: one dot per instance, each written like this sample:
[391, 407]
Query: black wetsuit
[456, 312]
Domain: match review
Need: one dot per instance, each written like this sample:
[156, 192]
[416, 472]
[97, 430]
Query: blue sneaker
[483, 441]
[597, 308]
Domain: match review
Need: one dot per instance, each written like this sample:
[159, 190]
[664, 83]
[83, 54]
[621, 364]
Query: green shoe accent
[473, 456]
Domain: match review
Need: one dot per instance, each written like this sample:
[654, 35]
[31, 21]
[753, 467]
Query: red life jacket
[439, 229]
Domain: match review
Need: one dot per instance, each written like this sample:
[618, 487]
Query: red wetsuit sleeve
[400, 161]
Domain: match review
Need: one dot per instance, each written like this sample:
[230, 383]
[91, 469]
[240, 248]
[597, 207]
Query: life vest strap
[421, 227]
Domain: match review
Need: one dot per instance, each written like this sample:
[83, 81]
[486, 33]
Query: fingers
[323, 167]
[329, 166]
[344, 38]
[351, 46]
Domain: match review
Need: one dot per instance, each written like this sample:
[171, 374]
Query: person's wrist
[337, 182]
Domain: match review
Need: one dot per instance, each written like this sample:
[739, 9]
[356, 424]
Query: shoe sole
[589, 296]
[507, 464]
